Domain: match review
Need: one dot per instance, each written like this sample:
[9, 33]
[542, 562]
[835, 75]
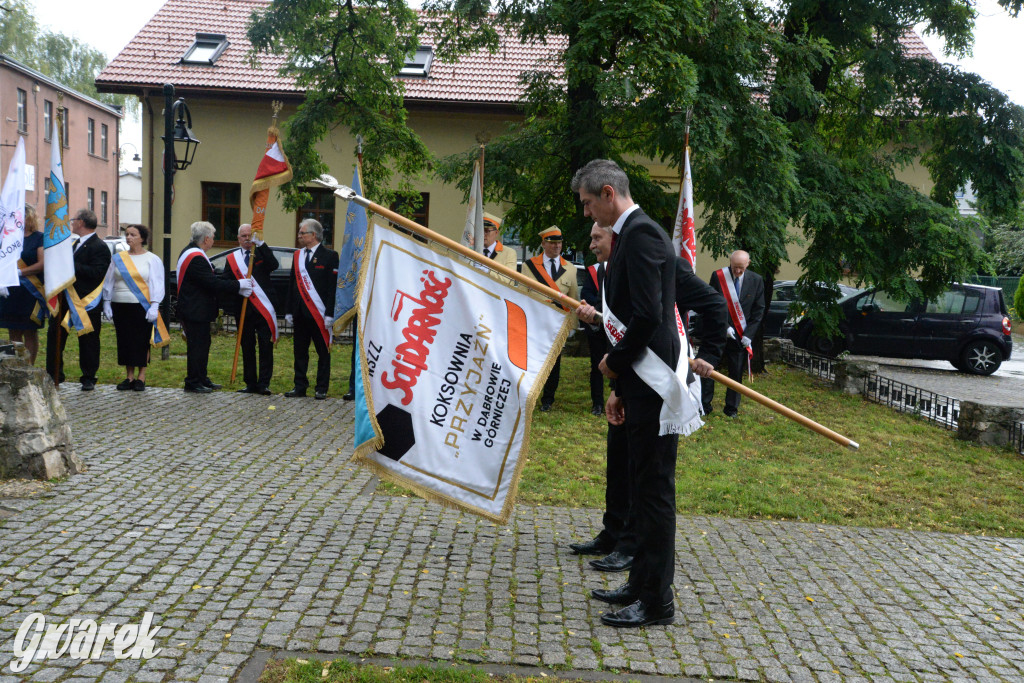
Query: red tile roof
[153, 57]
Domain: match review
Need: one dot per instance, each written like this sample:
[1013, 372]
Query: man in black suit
[737, 279]
[640, 294]
[197, 306]
[617, 537]
[311, 307]
[260, 316]
[590, 292]
[91, 258]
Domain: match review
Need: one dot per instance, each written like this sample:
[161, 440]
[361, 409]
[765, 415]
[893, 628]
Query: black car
[783, 296]
[279, 281]
[968, 325]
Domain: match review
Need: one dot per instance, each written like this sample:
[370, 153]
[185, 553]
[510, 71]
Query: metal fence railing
[909, 399]
[811, 363]
[1007, 284]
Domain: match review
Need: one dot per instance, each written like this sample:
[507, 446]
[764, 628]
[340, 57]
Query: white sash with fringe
[679, 413]
[259, 299]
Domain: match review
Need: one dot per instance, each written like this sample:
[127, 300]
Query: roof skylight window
[418, 63]
[206, 49]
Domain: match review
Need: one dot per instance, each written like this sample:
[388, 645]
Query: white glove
[245, 287]
[257, 241]
[289, 319]
[730, 333]
[153, 312]
[746, 342]
[3, 292]
[328, 321]
[108, 310]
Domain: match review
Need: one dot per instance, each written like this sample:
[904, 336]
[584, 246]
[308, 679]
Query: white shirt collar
[622, 218]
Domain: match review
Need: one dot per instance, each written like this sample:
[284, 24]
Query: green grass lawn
[343, 671]
[907, 474]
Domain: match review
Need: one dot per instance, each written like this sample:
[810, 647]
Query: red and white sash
[732, 300]
[186, 259]
[680, 409]
[258, 299]
[314, 304]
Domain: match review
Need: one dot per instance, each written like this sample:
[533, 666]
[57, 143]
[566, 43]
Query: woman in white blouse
[132, 293]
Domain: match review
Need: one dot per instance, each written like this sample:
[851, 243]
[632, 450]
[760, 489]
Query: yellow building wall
[233, 136]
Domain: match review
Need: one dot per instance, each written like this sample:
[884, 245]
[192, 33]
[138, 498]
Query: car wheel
[981, 358]
[826, 346]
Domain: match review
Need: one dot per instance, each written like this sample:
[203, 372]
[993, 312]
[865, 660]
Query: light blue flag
[364, 431]
[351, 259]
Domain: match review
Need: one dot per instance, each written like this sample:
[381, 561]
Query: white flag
[473, 235]
[452, 360]
[12, 215]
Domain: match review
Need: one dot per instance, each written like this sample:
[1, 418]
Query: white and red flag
[273, 170]
[684, 241]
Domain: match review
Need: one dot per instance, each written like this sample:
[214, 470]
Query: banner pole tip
[854, 445]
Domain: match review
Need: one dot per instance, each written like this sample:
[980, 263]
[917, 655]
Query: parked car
[783, 296]
[279, 281]
[968, 325]
[116, 244]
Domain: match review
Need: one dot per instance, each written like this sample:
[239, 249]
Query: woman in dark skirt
[16, 310]
[132, 294]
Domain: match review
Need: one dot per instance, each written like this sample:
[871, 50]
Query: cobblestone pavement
[239, 522]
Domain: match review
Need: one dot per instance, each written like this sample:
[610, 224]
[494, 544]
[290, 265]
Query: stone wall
[35, 440]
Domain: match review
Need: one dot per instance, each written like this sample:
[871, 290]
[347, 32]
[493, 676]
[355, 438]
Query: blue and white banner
[350, 260]
[452, 361]
[12, 217]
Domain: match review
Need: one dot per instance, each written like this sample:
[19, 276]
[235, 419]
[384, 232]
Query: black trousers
[88, 346]
[197, 338]
[352, 365]
[551, 385]
[132, 331]
[617, 531]
[306, 331]
[598, 344]
[652, 512]
[256, 330]
[734, 356]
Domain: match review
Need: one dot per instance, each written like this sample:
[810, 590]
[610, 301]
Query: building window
[222, 206]
[47, 120]
[206, 48]
[91, 199]
[103, 207]
[321, 207]
[103, 140]
[420, 214]
[418, 63]
[91, 136]
[23, 111]
[64, 127]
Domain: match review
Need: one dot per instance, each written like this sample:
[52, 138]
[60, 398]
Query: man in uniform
[311, 307]
[640, 306]
[493, 248]
[260, 317]
[743, 290]
[91, 258]
[551, 269]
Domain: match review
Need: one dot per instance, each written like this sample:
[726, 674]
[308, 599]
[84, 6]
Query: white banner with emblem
[452, 361]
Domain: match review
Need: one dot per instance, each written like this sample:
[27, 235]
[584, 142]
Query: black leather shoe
[623, 595]
[596, 547]
[295, 393]
[597, 410]
[88, 384]
[248, 390]
[730, 415]
[263, 391]
[124, 385]
[640, 614]
[545, 407]
[199, 390]
[212, 386]
[615, 562]
[139, 385]
[320, 395]
[349, 395]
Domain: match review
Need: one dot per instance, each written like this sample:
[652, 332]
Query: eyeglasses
[490, 230]
[305, 232]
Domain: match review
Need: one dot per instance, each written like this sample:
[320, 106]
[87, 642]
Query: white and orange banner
[452, 361]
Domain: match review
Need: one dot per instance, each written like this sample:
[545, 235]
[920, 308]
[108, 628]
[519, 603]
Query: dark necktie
[554, 271]
[309, 256]
[736, 284]
[247, 259]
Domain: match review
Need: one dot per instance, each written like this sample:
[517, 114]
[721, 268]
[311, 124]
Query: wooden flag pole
[349, 195]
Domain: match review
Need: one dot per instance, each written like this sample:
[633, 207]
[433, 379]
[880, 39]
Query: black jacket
[92, 260]
[640, 288]
[198, 288]
[323, 271]
[264, 263]
[751, 300]
[693, 294]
